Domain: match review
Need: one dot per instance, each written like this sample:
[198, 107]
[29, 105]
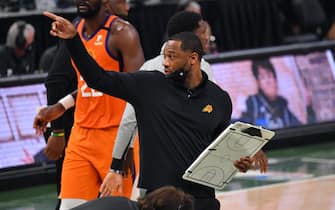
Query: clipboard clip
[252, 131]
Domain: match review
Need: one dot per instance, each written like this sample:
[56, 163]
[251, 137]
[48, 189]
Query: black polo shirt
[175, 124]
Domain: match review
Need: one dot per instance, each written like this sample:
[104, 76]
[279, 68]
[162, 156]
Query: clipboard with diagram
[215, 165]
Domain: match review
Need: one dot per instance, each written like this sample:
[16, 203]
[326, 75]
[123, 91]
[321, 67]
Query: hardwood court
[310, 194]
[278, 188]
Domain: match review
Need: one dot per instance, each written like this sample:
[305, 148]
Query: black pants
[206, 204]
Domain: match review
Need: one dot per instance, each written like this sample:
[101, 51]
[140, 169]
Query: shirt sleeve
[128, 125]
[126, 132]
[155, 63]
[61, 80]
[206, 67]
[118, 84]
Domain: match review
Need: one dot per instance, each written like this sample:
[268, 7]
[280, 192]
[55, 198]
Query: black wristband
[117, 164]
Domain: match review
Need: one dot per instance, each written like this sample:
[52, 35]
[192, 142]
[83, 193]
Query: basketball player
[115, 45]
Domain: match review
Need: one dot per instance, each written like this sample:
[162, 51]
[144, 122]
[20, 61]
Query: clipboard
[215, 165]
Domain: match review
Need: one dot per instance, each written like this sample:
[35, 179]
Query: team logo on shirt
[208, 108]
[99, 40]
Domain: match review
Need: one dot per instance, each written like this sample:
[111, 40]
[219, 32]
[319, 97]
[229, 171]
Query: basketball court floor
[299, 178]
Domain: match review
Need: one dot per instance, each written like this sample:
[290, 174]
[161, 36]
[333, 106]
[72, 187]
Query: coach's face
[175, 59]
[88, 8]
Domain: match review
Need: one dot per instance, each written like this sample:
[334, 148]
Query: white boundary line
[318, 160]
[275, 185]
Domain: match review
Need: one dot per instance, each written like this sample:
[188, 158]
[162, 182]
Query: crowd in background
[292, 23]
[22, 5]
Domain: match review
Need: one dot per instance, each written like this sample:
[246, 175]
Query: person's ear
[194, 58]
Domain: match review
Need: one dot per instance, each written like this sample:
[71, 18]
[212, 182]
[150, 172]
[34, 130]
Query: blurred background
[295, 36]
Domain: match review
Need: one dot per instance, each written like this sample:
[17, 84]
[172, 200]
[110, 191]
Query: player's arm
[60, 80]
[53, 113]
[126, 42]
[125, 135]
[60, 76]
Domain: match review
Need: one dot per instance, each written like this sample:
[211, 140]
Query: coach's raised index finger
[50, 15]
[56, 17]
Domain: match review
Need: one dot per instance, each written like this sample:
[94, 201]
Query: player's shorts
[87, 161]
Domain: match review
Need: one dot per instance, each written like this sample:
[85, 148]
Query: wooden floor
[299, 178]
[309, 194]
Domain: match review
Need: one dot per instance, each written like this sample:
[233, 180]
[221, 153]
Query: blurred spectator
[47, 59]
[18, 56]
[45, 4]
[299, 24]
[193, 6]
[28, 4]
[190, 6]
[12, 5]
[62, 4]
[212, 47]
[267, 108]
[17, 5]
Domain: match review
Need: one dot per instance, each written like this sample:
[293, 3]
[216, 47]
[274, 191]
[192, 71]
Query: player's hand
[260, 161]
[45, 115]
[243, 164]
[55, 147]
[112, 184]
[60, 26]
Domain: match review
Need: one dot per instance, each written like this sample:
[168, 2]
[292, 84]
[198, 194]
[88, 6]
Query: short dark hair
[264, 63]
[166, 198]
[189, 41]
[183, 21]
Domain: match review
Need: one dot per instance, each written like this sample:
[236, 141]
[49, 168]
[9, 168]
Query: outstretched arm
[111, 83]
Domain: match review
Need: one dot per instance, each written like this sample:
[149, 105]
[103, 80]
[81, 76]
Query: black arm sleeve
[121, 85]
[61, 80]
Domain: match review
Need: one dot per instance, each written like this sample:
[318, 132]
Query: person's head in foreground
[166, 198]
[163, 198]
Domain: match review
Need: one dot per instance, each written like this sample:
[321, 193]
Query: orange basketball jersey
[93, 108]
